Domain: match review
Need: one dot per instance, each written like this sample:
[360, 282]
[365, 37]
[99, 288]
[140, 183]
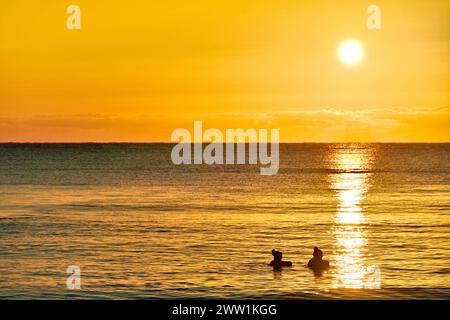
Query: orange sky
[139, 69]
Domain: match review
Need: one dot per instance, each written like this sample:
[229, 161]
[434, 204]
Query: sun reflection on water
[351, 182]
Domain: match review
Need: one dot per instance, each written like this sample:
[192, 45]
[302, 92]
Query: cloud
[322, 125]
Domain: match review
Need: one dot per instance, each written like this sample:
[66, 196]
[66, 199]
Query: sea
[121, 221]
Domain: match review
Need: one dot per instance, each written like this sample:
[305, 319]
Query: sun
[350, 52]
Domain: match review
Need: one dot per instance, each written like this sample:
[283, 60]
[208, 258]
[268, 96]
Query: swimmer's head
[277, 255]
[317, 253]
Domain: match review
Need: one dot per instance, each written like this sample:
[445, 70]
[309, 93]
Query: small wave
[442, 271]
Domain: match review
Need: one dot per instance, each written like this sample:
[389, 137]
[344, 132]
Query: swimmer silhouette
[317, 264]
[277, 262]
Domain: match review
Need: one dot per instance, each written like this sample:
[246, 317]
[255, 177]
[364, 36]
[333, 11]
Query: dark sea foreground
[138, 226]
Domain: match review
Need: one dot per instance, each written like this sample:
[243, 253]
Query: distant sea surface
[141, 227]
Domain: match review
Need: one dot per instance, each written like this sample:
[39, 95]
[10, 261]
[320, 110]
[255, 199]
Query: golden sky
[139, 69]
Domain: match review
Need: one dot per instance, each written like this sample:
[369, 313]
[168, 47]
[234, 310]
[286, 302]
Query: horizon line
[209, 142]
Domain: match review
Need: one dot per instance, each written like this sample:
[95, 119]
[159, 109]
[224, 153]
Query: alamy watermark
[256, 140]
[372, 277]
[73, 281]
[73, 22]
[373, 21]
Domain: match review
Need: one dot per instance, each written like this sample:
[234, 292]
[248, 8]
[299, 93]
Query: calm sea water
[140, 227]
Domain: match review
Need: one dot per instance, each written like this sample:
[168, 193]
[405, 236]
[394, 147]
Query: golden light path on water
[351, 183]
